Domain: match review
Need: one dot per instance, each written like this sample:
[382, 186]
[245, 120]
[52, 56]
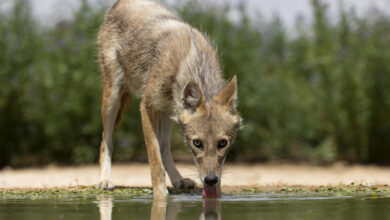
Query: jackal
[146, 50]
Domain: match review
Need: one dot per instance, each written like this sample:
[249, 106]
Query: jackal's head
[209, 128]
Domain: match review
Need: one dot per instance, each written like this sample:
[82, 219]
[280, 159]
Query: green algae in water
[129, 192]
[81, 192]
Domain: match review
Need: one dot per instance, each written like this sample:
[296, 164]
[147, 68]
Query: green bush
[319, 94]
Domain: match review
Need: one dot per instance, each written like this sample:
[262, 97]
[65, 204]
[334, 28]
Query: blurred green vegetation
[320, 93]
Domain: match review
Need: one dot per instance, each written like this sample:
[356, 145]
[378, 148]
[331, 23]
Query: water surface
[260, 206]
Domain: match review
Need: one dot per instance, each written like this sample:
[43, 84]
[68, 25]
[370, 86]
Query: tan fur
[144, 49]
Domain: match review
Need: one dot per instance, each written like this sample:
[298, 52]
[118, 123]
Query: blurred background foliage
[320, 93]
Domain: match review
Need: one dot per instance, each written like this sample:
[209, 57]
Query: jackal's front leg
[150, 127]
[165, 126]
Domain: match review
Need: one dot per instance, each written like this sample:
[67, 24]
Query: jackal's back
[142, 44]
[132, 38]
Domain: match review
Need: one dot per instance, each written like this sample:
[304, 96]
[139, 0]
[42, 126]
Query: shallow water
[261, 206]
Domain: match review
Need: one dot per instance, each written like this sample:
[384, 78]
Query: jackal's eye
[198, 143]
[222, 143]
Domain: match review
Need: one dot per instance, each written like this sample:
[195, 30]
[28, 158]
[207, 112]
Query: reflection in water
[105, 207]
[159, 209]
[260, 206]
[211, 209]
[162, 209]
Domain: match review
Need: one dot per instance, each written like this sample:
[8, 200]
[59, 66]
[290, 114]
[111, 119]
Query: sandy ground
[234, 175]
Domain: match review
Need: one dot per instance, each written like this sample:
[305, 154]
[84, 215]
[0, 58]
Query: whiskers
[192, 172]
[224, 178]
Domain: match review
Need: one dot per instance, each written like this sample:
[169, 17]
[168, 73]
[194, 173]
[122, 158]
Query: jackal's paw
[184, 183]
[106, 185]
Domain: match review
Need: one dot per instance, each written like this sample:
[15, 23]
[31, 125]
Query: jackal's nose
[211, 180]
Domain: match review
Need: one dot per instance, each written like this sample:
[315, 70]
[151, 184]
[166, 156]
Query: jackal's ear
[228, 95]
[192, 96]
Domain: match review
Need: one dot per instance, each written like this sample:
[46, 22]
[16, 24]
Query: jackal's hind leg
[165, 125]
[114, 102]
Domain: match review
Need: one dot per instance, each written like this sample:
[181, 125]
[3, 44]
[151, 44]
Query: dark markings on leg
[125, 99]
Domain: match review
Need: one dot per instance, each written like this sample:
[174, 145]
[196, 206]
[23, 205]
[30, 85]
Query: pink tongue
[210, 191]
